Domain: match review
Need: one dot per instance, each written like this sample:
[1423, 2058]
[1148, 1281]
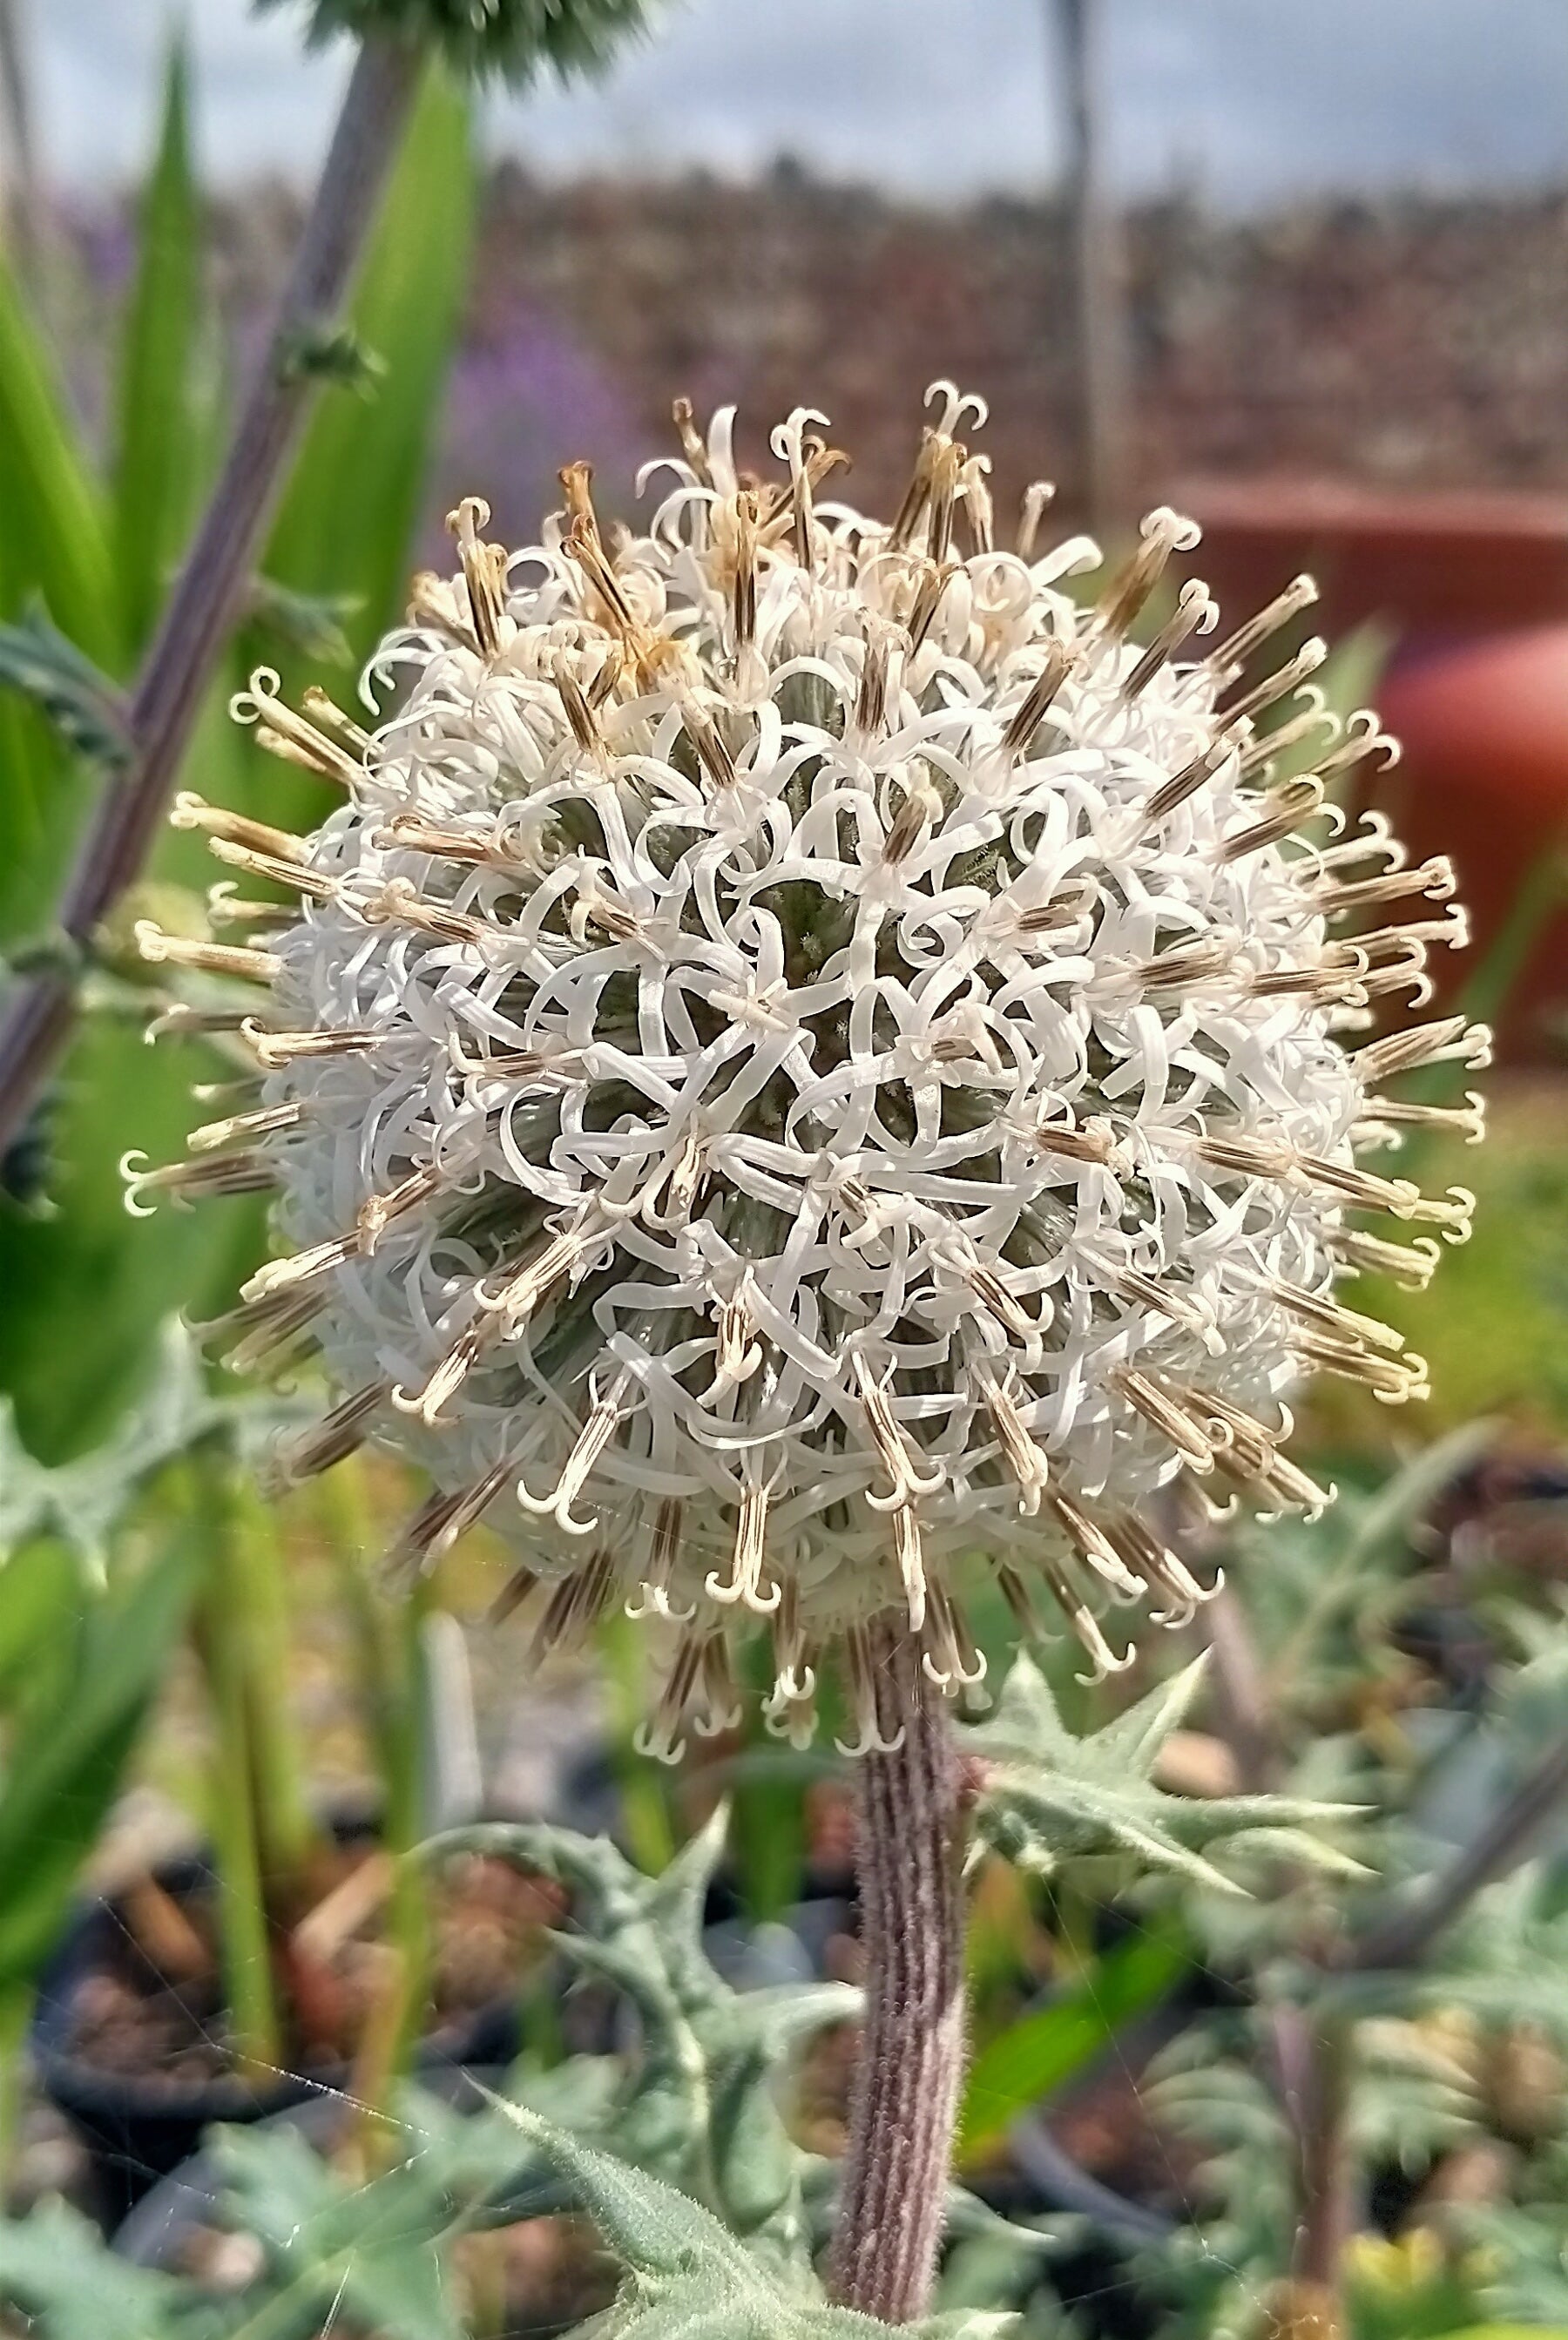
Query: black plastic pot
[139, 2129]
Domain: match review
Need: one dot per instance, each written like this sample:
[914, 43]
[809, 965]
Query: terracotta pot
[1473, 591]
[1485, 779]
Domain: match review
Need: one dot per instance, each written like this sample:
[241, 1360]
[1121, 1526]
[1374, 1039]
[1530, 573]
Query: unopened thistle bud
[806, 1056]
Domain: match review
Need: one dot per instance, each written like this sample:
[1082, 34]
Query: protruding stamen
[748, 1560]
[222, 1173]
[1036, 496]
[301, 1267]
[338, 1435]
[205, 958]
[605, 1416]
[665, 1550]
[275, 1049]
[315, 885]
[1450, 1039]
[1183, 785]
[1233, 653]
[1193, 613]
[662, 1738]
[1285, 809]
[239, 1128]
[1434, 879]
[1091, 1543]
[286, 734]
[377, 1212]
[192, 812]
[1024, 1458]
[864, 1681]
[1276, 686]
[1165, 1413]
[1412, 1264]
[1161, 533]
[1032, 708]
[948, 1657]
[484, 570]
[575, 1605]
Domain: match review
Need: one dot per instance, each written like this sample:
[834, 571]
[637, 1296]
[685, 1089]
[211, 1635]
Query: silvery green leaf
[82, 703]
[80, 1503]
[699, 2109]
[1049, 1796]
[686, 2274]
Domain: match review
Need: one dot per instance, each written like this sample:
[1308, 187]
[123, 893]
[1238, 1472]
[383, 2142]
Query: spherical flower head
[807, 1060]
[511, 39]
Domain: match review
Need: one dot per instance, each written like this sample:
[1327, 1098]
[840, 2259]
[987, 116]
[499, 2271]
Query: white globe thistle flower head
[807, 1059]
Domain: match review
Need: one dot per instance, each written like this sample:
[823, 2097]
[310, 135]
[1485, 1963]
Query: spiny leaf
[687, 2274]
[699, 2108]
[53, 2267]
[80, 1503]
[161, 431]
[1048, 1796]
[81, 702]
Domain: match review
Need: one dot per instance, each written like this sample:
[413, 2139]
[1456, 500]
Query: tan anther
[1032, 708]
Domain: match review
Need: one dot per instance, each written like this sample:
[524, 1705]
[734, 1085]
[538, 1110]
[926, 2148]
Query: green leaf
[69, 1750]
[81, 1502]
[1042, 2051]
[159, 431]
[54, 541]
[1049, 1797]
[55, 2267]
[686, 2274]
[699, 2107]
[344, 528]
[340, 2248]
[72, 694]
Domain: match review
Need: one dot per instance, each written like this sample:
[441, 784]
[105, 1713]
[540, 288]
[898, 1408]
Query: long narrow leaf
[1041, 2052]
[52, 541]
[159, 440]
[66, 1762]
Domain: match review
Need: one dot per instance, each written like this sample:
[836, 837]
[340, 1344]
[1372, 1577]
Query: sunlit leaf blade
[54, 541]
[1045, 2049]
[53, 2267]
[158, 433]
[68, 1752]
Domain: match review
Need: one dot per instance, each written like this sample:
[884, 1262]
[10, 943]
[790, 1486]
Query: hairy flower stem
[202, 610]
[911, 1859]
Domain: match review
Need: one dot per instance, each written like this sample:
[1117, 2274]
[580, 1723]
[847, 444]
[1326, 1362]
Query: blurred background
[1303, 272]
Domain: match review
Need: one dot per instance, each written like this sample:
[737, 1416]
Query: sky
[1250, 101]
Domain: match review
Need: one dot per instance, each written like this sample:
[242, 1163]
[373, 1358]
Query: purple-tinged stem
[202, 610]
[910, 1860]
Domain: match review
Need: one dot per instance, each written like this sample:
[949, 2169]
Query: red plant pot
[1473, 590]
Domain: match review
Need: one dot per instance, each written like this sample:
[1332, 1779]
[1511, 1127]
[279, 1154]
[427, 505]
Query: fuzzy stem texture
[910, 1859]
[207, 597]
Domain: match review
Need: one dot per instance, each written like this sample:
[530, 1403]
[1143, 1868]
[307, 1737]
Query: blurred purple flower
[522, 401]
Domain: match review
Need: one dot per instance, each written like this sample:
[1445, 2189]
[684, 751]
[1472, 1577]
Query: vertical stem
[207, 597]
[1315, 2056]
[15, 2014]
[911, 1857]
[1099, 285]
[255, 1591]
[645, 1811]
[407, 1825]
[23, 195]
[221, 1633]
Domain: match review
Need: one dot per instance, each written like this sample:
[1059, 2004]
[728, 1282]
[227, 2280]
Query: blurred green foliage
[85, 1289]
